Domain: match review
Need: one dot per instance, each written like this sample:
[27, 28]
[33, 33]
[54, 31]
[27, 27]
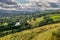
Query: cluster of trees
[8, 22]
[47, 20]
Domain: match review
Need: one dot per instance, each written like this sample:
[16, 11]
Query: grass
[36, 21]
[40, 33]
[5, 24]
[48, 35]
[55, 17]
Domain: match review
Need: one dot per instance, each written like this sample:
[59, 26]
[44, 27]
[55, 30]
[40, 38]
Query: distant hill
[12, 13]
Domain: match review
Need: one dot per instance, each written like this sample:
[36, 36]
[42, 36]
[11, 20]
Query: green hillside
[43, 20]
[53, 34]
[47, 32]
[30, 27]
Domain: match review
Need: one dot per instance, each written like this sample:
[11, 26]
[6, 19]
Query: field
[54, 17]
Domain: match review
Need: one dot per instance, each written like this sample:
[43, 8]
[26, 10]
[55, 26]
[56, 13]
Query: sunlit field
[41, 33]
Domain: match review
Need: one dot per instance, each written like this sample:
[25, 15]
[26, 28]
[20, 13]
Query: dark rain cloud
[10, 2]
[54, 5]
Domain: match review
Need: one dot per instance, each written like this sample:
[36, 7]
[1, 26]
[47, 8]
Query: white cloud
[55, 1]
[34, 0]
[13, 0]
[8, 8]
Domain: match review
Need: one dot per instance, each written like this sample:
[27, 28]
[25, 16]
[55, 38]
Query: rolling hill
[47, 32]
[36, 21]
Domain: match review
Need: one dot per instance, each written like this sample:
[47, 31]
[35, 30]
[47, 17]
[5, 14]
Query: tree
[48, 20]
[58, 11]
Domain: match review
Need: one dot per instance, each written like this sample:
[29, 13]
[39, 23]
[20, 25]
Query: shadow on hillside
[10, 31]
[7, 31]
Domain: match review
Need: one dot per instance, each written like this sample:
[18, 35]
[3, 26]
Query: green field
[54, 17]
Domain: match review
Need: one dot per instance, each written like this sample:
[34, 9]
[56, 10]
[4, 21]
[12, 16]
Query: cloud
[32, 4]
[10, 2]
[54, 1]
[34, 0]
[53, 4]
[47, 3]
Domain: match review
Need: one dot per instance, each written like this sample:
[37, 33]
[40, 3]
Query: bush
[47, 20]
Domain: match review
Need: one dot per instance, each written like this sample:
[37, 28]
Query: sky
[23, 1]
[28, 1]
[25, 4]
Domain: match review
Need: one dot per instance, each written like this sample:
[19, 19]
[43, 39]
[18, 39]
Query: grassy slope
[40, 33]
[55, 17]
[48, 35]
[36, 21]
